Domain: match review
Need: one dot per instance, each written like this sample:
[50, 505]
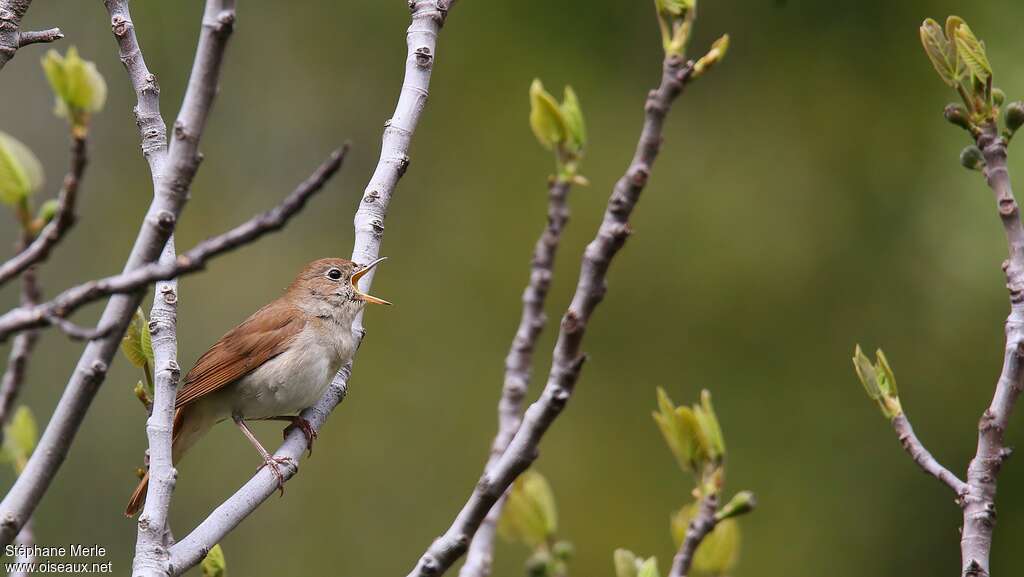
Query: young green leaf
[530, 516]
[214, 564]
[48, 210]
[709, 426]
[20, 437]
[879, 381]
[79, 88]
[649, 568]
[715, 55]
[626, 563]
[20, 171]
[972, 52]
[674, 7]
[573, 116]
[940, 51]
[682, 432]
[740, 504]
[132, 344]
[546, 117]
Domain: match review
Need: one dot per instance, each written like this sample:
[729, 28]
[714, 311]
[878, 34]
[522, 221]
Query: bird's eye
[334, 274]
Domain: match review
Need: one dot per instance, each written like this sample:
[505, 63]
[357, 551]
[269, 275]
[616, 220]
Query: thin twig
[979, 502]
[151, 545]
[700, 526]
[191, 261]
[39, 37]
[917, 451]
[63, 219]
[11, 37]
[21, 350]
[519, 365]
[568, 357]
[169, 198]
[427, 18]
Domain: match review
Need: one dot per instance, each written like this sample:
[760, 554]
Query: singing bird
[278, 362]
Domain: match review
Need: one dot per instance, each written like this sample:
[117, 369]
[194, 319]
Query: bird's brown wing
[261, 337]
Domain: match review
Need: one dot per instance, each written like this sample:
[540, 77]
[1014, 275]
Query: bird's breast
[296, 378]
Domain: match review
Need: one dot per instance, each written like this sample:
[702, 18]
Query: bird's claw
[273, 463]
[307, 430]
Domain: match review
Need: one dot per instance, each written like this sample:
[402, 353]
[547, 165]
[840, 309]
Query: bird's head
[333, 282]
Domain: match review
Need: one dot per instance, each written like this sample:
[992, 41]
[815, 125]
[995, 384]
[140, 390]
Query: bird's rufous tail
[138, 497]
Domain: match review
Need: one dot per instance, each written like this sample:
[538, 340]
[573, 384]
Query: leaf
[682, 432]
[714, 55]
[649, 568]
[546, 118]
[710, 427]
[79, 88]
[214, 565]
[20, 171]
[940, 51]
[718, 552]
[573, 116]
[625, 563]
[48, 210]
[866, 373]
[972, 52]
[674, 8]
[529, 516]
[132, 343]
[879, 381]
[20, 437]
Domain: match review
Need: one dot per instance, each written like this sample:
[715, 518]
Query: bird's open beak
[358, 275]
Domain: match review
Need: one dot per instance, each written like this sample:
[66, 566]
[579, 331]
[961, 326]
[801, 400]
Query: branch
[519, 364]
[17, 360]
[11, 38]
[568, 357]
[700, 526]
[979, 502]
[917, 451]
[39, 37]
[25, 553]
[427, 18]
[151, 545]
[37, 251]
[169, 198]
[194, 260]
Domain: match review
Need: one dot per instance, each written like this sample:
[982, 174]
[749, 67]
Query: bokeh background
[808, 197]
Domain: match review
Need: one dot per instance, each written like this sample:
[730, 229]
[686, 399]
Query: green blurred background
[808, 197]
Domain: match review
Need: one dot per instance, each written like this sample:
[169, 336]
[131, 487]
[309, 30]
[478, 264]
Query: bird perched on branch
[278, 362]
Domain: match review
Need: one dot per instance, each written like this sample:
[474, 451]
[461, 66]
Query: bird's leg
[268, 459]
[299, 423]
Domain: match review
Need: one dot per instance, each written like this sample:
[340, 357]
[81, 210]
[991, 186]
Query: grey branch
[151, 546]
[700, 526]
[427, 18]
[917, 451]
[21, 350]
[979, 502]
[26, 538]
[39, 37]
[519, 365]
[11, 37]
[169, 198]
[194, 260]
[37, 251]
[568, 357]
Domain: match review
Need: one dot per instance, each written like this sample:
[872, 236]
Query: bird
[274, 364]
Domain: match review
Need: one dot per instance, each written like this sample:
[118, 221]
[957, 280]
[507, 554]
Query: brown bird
[278, 362]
